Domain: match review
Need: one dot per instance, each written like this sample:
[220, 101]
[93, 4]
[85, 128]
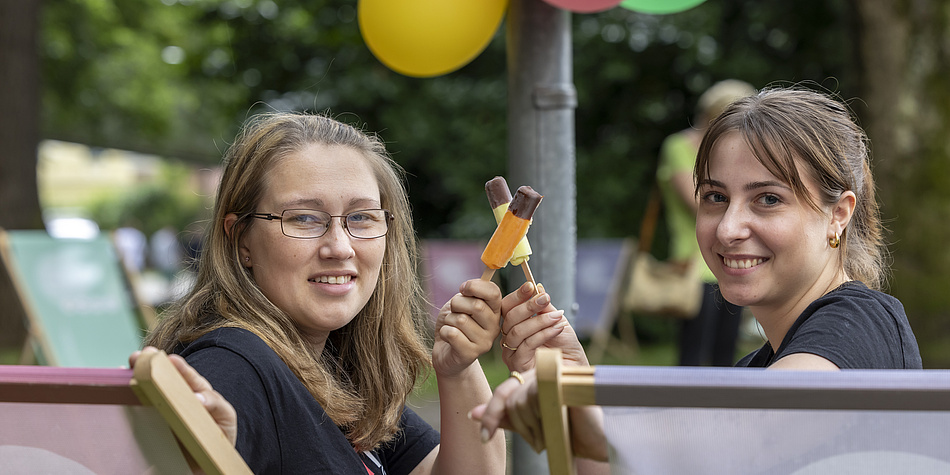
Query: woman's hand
[532, 322]
[466, 327]
[514, 406]
[220, 409]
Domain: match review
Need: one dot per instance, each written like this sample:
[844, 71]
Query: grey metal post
[541, 153]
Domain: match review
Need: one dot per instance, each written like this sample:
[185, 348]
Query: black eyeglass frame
[387, 219]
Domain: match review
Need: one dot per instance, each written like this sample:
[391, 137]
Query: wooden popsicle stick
[529, 276]
[488, 273]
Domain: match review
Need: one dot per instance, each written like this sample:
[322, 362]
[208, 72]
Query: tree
[19, 137]
[20, 122]
[907, 116]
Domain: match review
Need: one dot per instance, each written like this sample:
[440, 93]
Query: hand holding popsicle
[510, 231]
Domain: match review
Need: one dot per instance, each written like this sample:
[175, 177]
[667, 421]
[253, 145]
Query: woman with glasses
[308, 317]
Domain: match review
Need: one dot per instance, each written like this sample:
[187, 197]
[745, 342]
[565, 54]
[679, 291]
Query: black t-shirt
[281, 427]
[852, 326]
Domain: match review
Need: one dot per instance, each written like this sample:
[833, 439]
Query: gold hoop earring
[834, 241]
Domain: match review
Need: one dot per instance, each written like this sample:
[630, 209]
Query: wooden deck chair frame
[560, 387]
[154, 382]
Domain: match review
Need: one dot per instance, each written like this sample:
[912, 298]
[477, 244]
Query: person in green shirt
[710, 337]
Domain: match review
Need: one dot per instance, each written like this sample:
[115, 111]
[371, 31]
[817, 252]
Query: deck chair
[677, 420]
[80, 307]
[108, 421]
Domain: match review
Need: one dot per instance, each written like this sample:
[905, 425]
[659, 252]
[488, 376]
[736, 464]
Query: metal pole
[541, 103]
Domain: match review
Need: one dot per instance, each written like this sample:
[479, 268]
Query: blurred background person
[710, 337]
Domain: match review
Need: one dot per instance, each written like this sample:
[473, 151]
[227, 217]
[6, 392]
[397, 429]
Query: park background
[119, 111]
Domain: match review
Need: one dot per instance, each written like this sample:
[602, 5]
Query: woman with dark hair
[789, 225]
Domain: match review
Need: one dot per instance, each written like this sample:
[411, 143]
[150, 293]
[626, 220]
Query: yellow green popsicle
[511, 230]
[499, 197]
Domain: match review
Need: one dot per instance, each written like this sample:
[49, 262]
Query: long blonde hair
[367, 368]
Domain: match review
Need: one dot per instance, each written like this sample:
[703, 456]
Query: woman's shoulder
[238, 340]
[856, 327]
[856, 294]
[235, 350]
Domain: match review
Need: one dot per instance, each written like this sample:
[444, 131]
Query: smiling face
[321, 283]
[766, 246]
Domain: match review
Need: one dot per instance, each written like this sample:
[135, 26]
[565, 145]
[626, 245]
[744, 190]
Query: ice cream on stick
[499, 197]
[512, 228]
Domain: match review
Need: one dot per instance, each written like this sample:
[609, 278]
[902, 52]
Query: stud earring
[247, 258]
[834, 241]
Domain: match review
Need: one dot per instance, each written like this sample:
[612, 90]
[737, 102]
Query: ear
[841, 213]
[245, 254]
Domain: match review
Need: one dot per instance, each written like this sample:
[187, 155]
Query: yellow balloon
[424, 38]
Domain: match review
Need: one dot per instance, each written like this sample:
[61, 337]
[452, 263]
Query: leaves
[178, 77]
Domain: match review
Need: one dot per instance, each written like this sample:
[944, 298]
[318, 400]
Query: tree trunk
[905, 63]
[19, 137]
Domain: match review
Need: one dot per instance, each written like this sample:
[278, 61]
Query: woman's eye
[358, 217]
[770, 200]
[714, 197]
[308, 219]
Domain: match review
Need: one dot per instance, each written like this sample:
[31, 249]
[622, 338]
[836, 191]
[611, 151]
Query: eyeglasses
[311, 223]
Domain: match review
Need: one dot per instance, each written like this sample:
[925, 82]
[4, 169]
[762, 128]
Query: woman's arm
[804, 361]
[465, 329]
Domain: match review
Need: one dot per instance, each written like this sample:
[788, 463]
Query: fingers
[135, 354]
[475, 312]
[531, 306]
[220, 409]
[493, 415]
[134, 357]
[513, 406]
[518, 297]
[482, 290]
[195, 381]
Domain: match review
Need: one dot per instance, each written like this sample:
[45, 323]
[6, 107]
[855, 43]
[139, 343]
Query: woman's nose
[734, 225]
[336, 243]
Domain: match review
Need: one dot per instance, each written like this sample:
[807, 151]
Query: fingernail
[556, 315]
[485, 435]
[469, 415]
[562, 324]
[540, 288]
[201, 398]
[543, 300]
[527, 288]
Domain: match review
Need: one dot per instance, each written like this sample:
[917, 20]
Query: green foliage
[165, 202]
[177, 77]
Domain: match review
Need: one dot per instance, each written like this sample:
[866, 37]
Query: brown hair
[782, 124]
[367, 368]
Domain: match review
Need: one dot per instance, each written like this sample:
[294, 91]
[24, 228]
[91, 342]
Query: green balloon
[659, 7]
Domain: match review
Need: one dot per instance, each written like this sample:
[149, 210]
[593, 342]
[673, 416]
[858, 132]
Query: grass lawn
[9, 355]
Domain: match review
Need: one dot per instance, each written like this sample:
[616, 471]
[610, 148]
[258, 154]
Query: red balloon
[584, 6]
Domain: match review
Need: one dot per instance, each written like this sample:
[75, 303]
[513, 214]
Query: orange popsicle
[499, 198]
[509, 232]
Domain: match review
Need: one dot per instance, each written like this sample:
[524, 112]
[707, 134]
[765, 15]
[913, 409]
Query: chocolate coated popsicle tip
[497, 191]
[526, 200]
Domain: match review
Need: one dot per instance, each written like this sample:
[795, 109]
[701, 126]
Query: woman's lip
[337, 288]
